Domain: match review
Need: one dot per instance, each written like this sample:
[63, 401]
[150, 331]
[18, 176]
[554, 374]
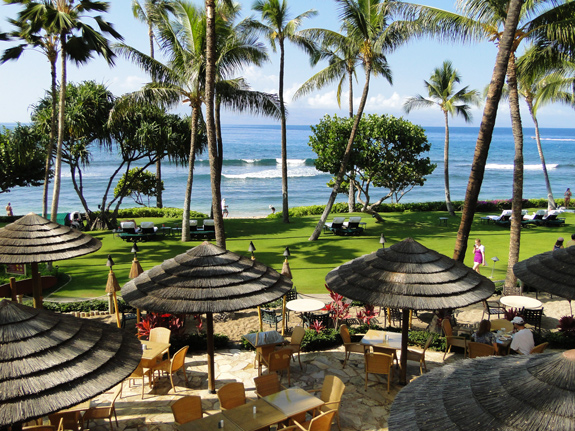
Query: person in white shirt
[522, 338]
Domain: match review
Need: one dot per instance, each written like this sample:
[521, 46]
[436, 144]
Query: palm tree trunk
[61, 119]
[210, 123]
[346, 156]
[191, 161]
[350, 77]
[285, 205]
[486, 129]
[550, 200]
[448, 203]
[220, 157]
[53, 132]
[159, 201]
[517, 201]
[351, 196]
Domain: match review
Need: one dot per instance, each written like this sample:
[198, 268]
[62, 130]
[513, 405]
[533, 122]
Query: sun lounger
[207, 231]
[503, 218]
[552, 219]
[339, 227]
[131, 233]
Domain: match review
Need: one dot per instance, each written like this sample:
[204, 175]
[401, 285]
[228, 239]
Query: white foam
[292, 162]
[536, 167]
[250, 160]
[275, 173]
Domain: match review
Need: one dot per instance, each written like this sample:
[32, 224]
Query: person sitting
[484, 334]
[522, 338]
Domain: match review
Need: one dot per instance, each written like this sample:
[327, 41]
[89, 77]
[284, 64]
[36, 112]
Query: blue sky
[24, 82]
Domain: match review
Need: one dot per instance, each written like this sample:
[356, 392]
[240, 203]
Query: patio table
[153, 350]
[390, 340]
[521, 302]
[293, 401]
[210, 423]
[244, 417]
[267, 338]
[305, 305]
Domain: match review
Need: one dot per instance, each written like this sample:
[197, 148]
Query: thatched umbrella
[206, 279]
[552, 271]
[50, 361]
[527, 393]
[409, 276]
[33, 239]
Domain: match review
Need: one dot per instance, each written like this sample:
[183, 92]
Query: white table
[305, 305]
[390, 340]
[521, 302]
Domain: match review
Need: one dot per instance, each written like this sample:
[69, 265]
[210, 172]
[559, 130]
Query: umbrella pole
[36, 285]
[260, 319]
[404, 339]
[210, 336]
[117, 312]
[284, 323]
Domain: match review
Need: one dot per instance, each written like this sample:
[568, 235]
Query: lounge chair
[350, 228]
[207, 231]
[534, 219]
[131, 233]
[552, 219]
[128, 226]
[148, 227]
[335, 224]
[193, 225]
[503, 218]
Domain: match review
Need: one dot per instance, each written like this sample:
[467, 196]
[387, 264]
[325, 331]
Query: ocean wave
[275, 173]
[555, 139]
[259, 162]
[507, 167]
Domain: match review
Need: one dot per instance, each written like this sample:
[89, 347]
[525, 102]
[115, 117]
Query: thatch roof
[553, 272]
[527, 393]
[408, 275]
[206, 278]
[33, 239]
[51, 361]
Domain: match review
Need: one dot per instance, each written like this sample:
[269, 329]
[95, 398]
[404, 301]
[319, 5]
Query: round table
[305, 305]
[521, 302]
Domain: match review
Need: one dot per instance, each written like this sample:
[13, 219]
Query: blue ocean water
[252, 171]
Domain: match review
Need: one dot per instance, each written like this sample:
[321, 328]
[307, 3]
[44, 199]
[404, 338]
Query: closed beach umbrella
[50, 361]
[409, 276]
[33, 239]
[527, 393]
[206, 279]
[552, 271]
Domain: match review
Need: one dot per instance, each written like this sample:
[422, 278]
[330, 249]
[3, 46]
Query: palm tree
[368, 23]
[45, 40]
[79, 42]
[277, 27]
[148, 12]
[344, 56]
[441, 92]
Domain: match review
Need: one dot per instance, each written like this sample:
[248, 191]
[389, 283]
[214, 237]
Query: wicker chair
[139, 373]
[321, 422]
[279, 361]
[451, 339]
[479, 349]
[497, 324]
[348, 345]
[59, 427]
[104, 412]
[267, 384]
[172, 366]
[492, 307]
[68, 420]
[187, 409]
[539, 348]
[232, 395]
[387, 351]
[331, 393]
[413, 355]
[161, 335]
[379, 363]
[295, 342]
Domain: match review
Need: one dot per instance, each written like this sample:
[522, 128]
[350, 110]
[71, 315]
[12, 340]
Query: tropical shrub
[567, 326]
[175, 323]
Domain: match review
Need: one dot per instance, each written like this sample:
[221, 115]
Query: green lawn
[309, 261]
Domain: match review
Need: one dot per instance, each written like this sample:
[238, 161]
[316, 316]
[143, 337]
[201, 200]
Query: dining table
[211, 423]
[293, 401]
[386, 339]
[255, 415]
[151, 350]
[514, 301]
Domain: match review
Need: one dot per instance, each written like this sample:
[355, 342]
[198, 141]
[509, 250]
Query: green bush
[327, 339]
[556, 340]
[153, 212]
[83, 306]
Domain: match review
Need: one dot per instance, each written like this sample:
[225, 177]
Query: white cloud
[259, 81]
[379, 101]
[122, 85]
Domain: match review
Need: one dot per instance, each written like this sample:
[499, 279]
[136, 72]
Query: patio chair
[271, 317]
[323, 318]
[492, 307]
[379, 363]
[539, 348]
[321, 422]
[497, 324]
[103, 412]
[290, 296]
[533, 317]
[232, 395]
[512, 290]
[41, 427]
[353, 223]
[295, 343]
[331, 393]
[139, 373]
[336, 224]
[172, 366]
[209, 225]
[193, 225]
[188, 409]
[348, 345]
[552, 220]
[148, 227]
[452, 340]
[161, 335]
[262, 356]
[68, 420]
[279, 361]
[477, 350]
[128, 226]
[413, 355]
[387, 351]
[268, 384]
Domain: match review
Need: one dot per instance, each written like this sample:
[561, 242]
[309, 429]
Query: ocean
[252, 172]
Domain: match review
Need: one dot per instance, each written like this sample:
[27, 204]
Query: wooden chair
[539, 348]
[68, 421]
[42, 427]
[172, 366]
[387, 351]
[232, 395]
[413, 355]
[497, 324]
[379, 363]
[187, 409]
[161, 335]
[321, 422]
[295, 342]
[331, 393]
[262, 357]
[452, 340]
[492, 307]
[279, 361]
[139, 373]
[104, 412]
[267, 384]
[477, 350]
[348, 345]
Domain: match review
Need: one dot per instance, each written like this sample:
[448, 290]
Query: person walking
[478, 255]
[225, 211]
[567, 196]
[9, 211]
